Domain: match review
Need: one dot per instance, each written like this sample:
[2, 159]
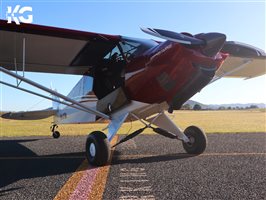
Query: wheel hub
[191, 141]
[92, 150]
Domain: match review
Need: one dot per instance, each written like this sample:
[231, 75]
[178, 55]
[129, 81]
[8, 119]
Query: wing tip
[6, 115]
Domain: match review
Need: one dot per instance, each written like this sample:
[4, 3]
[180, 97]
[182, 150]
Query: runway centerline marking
[84, 181]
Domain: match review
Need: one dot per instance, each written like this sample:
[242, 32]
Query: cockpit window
[114, 51]
[135, 47]
[131, 48]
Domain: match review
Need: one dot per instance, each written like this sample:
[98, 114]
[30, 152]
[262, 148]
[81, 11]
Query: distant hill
[217, 106]
[235, 105]
[193, 103]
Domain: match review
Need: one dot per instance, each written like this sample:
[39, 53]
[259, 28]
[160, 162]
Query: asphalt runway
[147, 167]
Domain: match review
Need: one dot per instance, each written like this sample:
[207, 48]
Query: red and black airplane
[124, 78]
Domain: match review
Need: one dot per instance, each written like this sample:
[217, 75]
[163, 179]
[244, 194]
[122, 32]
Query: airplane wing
[244, 61]
[50, 49]
[29, 115]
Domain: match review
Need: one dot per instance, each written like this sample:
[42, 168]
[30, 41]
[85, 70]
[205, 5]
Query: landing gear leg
[55, 134]
[193, 138]
[164, 122]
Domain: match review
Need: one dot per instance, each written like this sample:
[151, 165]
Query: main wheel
[56, 134]
[198, 140]
[98, 149]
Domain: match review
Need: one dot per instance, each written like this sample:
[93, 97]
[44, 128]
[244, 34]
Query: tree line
[199, 107]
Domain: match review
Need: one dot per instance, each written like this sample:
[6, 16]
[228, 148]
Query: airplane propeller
[173, 36]
[210, 43]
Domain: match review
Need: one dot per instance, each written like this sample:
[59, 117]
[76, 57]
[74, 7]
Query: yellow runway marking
[187, 155]
[234, 154]
[72, 182]
[133, 156]
[101, 178]
[98, 186]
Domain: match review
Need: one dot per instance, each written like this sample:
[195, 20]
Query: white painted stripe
[84, 187]
[133, 181]
[138, 189]
[132, 174]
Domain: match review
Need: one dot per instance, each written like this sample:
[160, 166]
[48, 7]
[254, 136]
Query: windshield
[135, 47]
[131, 48]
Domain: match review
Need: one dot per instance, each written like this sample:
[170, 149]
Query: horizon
[233, 105]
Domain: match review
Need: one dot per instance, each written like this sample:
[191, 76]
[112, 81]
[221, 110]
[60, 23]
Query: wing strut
[43, 96]
[90, 110]
[23, 61]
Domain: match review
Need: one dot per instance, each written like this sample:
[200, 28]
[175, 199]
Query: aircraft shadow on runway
[149, 158]
[19, 162]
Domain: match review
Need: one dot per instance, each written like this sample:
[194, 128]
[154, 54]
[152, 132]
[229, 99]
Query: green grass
[210, 121]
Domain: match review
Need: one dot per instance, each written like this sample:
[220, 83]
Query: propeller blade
[173, 36]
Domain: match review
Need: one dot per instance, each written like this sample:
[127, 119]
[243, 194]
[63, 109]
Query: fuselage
[168, 72]
[154, 73]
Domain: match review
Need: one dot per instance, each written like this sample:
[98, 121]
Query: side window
[115, 52]
[82, 88]
[129, 48]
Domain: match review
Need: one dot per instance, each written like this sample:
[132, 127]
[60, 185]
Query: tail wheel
[197, 140]
[98, 149]
[56, 134]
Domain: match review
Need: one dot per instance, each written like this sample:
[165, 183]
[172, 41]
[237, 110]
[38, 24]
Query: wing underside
[239, 67]
[244, 61]
[51, 50]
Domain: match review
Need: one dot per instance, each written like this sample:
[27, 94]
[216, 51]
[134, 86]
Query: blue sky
[242, 21]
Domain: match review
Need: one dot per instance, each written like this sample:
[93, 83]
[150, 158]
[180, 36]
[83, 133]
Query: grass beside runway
[211, 121]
